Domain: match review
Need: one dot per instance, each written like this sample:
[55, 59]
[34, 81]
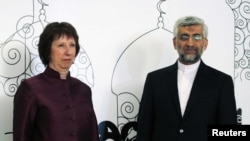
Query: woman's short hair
[52, 32]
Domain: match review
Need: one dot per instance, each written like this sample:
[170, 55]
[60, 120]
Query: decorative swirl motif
[239, 36]
[245, 10]
[236, 14]
[233, 3]
[128, 102]
[243, 62]
[10, 87]
[36, 66]
[11, 56]
[83, 59]
[127, 107]
[247, 43]
[33, 46]
[236, 65]
[82, 68]
[247, 53]
[248, 28]
[246, 73]
[25, 27]
[241, 12]
[241, 23]
[236, 52]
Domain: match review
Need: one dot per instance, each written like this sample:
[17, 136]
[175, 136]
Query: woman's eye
[60, 45]
[72, 45]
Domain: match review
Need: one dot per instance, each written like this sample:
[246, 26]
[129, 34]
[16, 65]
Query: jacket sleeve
[145, 116]
[23, 113]
[95, 133]
[227, 106]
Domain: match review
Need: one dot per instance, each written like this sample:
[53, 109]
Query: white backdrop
[121, 40]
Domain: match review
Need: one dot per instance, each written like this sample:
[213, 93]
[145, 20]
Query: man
[179, 101]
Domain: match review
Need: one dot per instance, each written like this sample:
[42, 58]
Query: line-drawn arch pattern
[19, 53]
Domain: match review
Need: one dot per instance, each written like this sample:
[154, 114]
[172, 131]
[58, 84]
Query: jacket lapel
[173, 88]
[197, 88]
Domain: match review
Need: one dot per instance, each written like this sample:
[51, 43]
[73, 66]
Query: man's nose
[190, 41]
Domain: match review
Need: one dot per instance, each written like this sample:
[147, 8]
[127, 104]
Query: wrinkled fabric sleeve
[24, 113]
[227, 111]
[145, 116]
[95, 132]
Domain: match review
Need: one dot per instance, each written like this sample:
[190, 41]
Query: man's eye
[197, 37]
[184, 37]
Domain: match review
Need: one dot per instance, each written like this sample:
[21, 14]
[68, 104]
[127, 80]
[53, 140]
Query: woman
[53, 106]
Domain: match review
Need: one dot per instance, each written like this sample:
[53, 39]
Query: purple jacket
[47, 108]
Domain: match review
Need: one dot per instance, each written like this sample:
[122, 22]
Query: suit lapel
[172, 84]
[197, 88]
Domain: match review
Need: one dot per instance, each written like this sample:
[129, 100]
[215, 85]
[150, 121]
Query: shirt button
[72, 119]
[73, 134]
[70, 106]
[181, 130]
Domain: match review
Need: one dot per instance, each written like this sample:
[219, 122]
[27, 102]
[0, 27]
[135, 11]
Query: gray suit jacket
[211, 101]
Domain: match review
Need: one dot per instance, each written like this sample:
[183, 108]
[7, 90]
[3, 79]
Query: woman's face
[63, 52]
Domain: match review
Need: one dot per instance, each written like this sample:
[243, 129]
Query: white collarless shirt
[186, 75]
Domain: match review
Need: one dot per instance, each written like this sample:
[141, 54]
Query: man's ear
[174, 42]
[205, 44]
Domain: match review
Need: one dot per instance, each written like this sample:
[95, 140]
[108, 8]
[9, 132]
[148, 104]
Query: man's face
[190, 43]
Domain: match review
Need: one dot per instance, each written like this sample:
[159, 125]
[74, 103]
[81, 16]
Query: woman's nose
[68, 50]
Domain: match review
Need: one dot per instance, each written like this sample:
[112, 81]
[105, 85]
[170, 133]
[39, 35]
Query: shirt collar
[188, 68]
[54, 74]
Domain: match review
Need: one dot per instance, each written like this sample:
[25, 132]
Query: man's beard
[189, 59]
